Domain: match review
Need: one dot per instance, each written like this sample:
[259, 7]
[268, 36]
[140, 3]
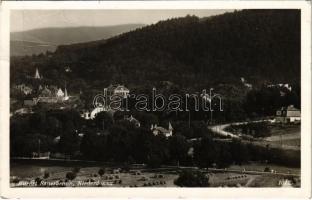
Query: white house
[60, 93]
[85, 114]
[92, 114]
[37, 75]
[119, 90]
[281, 85]
[288, 115]
[133, 120]
[156, 130]
[66, 97]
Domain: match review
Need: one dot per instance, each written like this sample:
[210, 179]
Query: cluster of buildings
[116, 89]
[158, 130]
[47, 94]
[42, 93]
[122, 91]
[111, 90]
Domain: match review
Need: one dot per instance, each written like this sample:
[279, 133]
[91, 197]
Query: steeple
[170, 127]
[37, 75]
[65, 93]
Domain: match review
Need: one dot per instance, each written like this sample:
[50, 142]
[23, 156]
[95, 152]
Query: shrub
[101, 172]
[189, 178]
[16, 180]
[46, 175]
[38, 181]
[267, 169]
[71, 175]
[76, 170]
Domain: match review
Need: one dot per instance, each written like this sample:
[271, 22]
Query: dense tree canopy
[260, 45]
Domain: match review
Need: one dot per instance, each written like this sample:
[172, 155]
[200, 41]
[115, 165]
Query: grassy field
[285, 129]
[261, 166]
[287, 135]
[90, 177]
[87, 176]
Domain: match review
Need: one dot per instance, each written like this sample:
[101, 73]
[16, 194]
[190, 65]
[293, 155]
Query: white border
[304, 191]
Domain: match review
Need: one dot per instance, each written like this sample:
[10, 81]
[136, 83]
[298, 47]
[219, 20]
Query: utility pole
[189, 119]
[210, 93]
[39, 147]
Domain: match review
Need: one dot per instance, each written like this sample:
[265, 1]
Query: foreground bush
[190, 178]
[46, 175]
[101, 172]
[71, 175]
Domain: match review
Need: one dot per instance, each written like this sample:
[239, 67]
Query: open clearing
[88, 176]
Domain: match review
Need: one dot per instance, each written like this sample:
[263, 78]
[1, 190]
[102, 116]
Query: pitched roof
[121, 87]
[132, 119]
[161, 129]
[292, 108]
[116, 87]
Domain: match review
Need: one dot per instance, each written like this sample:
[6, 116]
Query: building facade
[288, 115]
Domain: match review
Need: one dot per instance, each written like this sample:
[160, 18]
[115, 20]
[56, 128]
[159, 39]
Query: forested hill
[260, 45]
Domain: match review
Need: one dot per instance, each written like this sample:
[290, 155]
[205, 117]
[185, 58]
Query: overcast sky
[31, 19]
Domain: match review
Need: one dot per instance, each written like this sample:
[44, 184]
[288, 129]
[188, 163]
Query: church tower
[65, 94]
[37, 75]
[170, 129]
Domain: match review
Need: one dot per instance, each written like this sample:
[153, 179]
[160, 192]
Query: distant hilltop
[38, 41]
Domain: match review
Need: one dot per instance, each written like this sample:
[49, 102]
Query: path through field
[289, 141]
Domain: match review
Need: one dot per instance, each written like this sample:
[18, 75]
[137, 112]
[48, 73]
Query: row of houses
[47, 94]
